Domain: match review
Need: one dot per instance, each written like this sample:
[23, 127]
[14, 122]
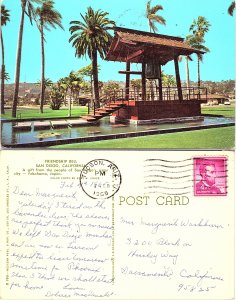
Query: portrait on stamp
[210, 176]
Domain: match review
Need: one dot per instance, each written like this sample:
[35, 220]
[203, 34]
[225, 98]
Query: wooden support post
[127, 81]
[160, 85]
[178, 79]
[143, 82]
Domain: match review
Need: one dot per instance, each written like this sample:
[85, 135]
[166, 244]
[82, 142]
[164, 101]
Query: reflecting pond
[11, 136]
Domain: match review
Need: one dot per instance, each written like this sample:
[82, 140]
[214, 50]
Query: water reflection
[10, 136]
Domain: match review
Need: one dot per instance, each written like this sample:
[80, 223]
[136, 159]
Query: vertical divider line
[113, 240]
[7, 279]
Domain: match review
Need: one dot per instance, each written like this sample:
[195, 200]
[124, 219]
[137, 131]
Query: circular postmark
[100, 179]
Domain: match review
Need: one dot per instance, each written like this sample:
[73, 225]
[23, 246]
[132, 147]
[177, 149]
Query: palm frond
[200, 27]
[92, 33]
[47, 15]
[155, 9]
[5, 15]
[158, 19]
[148, 6]
[151, 14]
[6, 75]
[231, 8]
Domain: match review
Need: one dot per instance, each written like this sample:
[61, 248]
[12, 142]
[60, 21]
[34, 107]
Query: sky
[217, 65]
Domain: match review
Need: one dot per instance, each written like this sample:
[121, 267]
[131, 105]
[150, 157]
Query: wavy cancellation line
[169, 194]
[168, 188]
[170, 161]
[165, 166]
[154, 181]
[162, 176]
[167, 171]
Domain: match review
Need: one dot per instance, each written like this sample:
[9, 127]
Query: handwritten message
[60, 242]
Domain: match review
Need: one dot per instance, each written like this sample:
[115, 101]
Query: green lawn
[227, 111]
[208, 138]
[24, 113]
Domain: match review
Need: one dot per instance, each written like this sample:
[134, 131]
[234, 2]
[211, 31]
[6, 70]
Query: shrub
[56, 97]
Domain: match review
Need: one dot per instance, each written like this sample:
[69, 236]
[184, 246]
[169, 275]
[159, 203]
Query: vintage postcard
[127, 225]
[78, 222]
[118, 74]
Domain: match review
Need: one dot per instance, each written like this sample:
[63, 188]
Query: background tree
[92, 37]
[5, 18]
[63, 85]
[153, 18]
[168, 80]
[231, 8]
[110, 89]
[74, 81]
[86, 87]
[45, 17]
[26, 8]
[187, 59]
[47, 84]
[198, 43]
[56, 97]
[6, 76]
[72, 84]
[136, 85]
[199, 28]
[87, 71]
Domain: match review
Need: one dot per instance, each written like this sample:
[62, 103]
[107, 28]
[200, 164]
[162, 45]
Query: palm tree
[187, 59]
[199, 28]
[5, 75]
[63, 85]
[47, 82]
[26, 8]
[73, 82]
[151, 15]
[5, 17]
[45, 17]
[231, 8]
[198, 43]
[91, 37]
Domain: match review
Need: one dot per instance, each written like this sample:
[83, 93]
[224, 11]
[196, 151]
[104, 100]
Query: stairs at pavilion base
[102, 112]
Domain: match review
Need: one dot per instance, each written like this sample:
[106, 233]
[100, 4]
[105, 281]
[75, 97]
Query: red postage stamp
[210, 176]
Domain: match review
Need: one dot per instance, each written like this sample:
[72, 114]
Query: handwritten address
[163, 253]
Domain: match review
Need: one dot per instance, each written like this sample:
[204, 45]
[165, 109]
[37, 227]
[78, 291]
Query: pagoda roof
[136, 46]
